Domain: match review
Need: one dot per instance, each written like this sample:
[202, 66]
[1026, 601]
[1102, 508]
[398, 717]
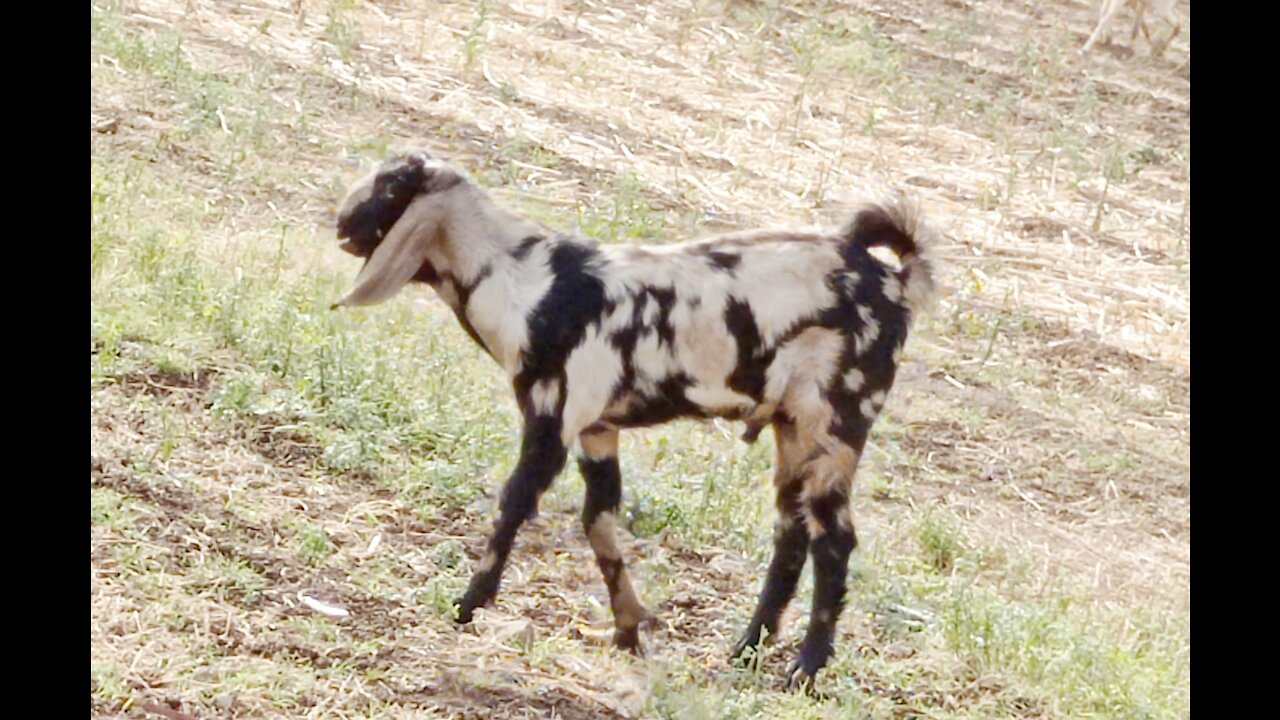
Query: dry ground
[1034, 456]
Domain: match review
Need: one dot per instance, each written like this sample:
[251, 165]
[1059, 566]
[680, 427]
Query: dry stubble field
[1024, 505]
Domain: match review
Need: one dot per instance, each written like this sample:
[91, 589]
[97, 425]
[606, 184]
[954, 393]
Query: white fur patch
[620, 318]
[849, 282]
[650, 313]
[871, 406]
[500, 303]
[592, 370]
[870, 330]
[892, 289]
[806, 365]
[854, 380]
[652, 363]
[665, 267]
[784, 285]
[360, 192]
[868, 410]
[718, 399]
[706, 351]
[869, 333]
[603, 536]
[544, 395]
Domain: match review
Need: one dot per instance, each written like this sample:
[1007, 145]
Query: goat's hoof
[466, 611]
[628, 639]
[800, 675]
[746, 651]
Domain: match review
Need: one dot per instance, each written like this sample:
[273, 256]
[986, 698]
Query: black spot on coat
[558, 323]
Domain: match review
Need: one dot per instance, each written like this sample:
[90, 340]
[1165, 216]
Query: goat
[798, 331]
[1162, 9]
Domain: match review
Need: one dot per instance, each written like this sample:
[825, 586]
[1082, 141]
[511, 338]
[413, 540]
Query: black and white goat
[798, 331]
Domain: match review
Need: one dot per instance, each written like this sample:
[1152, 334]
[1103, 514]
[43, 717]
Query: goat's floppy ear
[398, 258]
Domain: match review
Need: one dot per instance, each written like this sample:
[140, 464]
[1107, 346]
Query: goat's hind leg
[542, 456]
[790, 550]
[599, 466]
[828, 482]
[1158, 47]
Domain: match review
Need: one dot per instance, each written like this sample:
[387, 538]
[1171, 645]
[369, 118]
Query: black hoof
[746, 652]
[466, 610]
[802, 671]
[628, 639]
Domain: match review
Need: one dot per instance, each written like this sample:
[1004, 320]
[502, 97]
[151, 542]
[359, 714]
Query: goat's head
[375, 202]
[402, 202]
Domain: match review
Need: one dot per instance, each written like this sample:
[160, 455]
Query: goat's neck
[476, 233]
[482, 277]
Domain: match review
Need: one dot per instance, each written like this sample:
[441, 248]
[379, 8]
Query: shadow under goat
[798, 331]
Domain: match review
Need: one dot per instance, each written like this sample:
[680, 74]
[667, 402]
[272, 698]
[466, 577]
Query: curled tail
[896, 222]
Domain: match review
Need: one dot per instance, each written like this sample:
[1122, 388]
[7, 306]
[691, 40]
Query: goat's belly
[672, 400]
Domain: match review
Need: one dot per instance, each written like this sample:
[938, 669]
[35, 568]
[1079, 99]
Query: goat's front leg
[542, 456]
[599, 466]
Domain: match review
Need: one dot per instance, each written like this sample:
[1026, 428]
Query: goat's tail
[896, 222]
